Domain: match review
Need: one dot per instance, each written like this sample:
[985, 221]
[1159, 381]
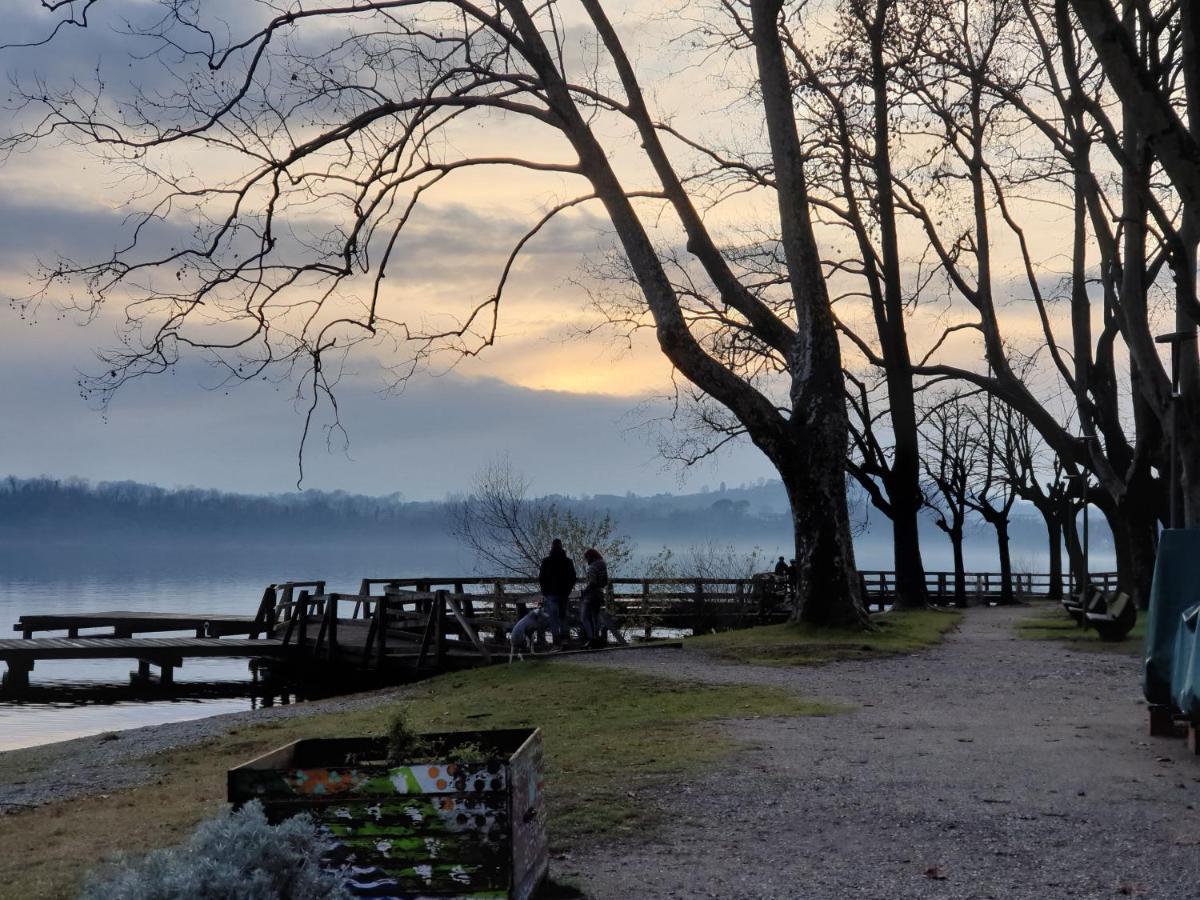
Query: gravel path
[989, 767]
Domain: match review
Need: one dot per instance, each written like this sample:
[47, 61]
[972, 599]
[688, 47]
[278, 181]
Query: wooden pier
[20, 654]
[406, 627]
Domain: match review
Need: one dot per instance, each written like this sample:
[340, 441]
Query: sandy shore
[49, 773]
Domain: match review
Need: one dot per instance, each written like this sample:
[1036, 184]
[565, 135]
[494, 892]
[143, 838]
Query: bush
[236, 855]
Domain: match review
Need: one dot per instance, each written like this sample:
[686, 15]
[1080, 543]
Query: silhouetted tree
[358, 112]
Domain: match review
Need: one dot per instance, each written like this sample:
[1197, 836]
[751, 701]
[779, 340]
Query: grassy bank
[800, 645]
[1053, 624]
[609, 736]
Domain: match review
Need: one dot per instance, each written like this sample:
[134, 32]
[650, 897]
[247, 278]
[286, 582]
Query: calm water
[72, 698]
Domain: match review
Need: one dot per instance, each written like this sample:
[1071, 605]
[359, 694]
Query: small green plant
[467, 752]
[404, 744]
[237, 854]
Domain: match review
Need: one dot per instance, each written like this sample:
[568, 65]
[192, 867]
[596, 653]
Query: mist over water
[208, 573]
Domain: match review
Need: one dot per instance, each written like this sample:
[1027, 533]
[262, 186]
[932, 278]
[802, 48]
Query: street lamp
[1175, 339]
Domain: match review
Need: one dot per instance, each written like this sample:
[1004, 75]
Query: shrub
[238, 854]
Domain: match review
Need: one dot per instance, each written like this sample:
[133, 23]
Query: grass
[894, 633]
[1053, 624]
[608, 735]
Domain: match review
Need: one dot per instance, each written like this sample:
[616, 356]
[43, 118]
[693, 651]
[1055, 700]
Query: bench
[1090, 600]
[1117, 619]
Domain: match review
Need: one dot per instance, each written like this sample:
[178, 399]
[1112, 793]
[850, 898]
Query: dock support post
[16, 676]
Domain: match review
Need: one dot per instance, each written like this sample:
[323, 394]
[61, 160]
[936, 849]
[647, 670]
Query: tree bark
[960, 568]
[814, 472]
[1002, 544]
[904, 477]
[1054, 538]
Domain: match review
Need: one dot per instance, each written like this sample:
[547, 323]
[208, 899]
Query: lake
[72, 698]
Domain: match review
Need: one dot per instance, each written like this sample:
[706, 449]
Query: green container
[426, 828]
[1175, 588]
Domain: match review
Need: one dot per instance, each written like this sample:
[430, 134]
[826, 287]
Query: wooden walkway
[405, 627]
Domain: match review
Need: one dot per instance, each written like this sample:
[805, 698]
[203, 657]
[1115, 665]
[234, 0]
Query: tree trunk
[1074, 548]
[1054, 535]
[1006, 591]
[904, 481]
[960, 568]
[825, 571]
[813, 463]
[1139, 526]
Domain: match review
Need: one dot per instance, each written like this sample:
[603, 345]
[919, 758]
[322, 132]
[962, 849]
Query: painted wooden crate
[427, 828]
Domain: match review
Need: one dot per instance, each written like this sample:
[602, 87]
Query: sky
[578, 412]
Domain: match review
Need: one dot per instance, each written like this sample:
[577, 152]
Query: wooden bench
[1117, 618]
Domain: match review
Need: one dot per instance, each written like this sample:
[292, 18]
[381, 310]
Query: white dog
[525, 632]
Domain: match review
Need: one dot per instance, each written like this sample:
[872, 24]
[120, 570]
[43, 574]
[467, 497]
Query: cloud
[424, 443]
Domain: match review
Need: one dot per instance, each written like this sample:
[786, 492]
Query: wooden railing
[433, 617]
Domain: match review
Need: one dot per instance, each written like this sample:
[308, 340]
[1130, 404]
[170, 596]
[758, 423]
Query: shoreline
[79, 767]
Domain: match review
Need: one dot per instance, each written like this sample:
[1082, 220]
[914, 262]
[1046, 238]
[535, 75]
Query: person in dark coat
[591, 597]
[781, 568]
[557, 578]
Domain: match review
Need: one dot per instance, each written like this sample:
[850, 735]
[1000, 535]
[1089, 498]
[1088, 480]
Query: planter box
[426, 828]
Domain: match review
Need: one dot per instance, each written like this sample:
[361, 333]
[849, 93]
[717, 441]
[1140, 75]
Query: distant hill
[70, 509]
[52, 511]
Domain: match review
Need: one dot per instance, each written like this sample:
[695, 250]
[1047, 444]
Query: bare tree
[510, 532]
[357, 112]
[851, 86]
[950, 464]
[1026, 462]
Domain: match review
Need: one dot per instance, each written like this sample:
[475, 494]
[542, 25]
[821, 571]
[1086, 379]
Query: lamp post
[1080, 480]
[1175, 339]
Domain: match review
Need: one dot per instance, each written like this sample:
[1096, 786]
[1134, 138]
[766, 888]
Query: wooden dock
[405, 627]
[20, 654]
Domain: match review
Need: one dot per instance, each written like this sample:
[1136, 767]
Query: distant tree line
[46, 508]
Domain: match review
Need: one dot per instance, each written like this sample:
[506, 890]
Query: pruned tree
[361, 113]
[1026, 462]
[950, 464]
[992, 494]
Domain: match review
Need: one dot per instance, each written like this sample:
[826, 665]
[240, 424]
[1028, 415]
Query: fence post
[302, 608]
[439, 612]
[332, 612]
[646, 610]
[498, 610]
[698, 613]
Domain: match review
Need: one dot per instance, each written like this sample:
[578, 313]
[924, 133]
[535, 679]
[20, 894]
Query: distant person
[781, 568]
[592, 597]
[557, 578]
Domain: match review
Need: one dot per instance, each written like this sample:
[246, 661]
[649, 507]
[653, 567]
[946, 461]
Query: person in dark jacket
[781, 568]
[557, 577]
[592, 597]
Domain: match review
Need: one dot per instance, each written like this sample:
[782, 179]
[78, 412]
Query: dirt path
[989, 767]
